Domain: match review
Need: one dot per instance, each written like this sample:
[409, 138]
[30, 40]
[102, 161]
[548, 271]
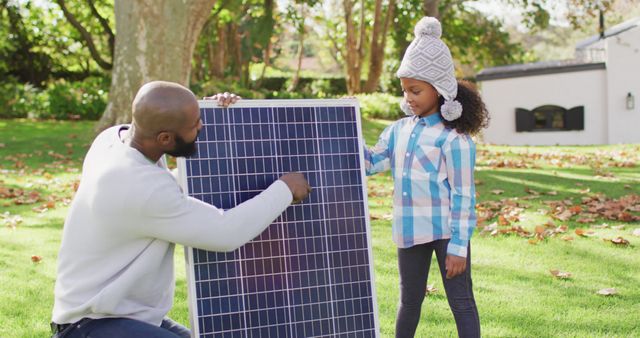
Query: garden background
[556, 250]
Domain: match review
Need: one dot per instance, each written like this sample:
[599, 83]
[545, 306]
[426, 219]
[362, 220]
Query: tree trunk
[301, 31]
[354, 46]
[155, 41]
[217, 52]
[378, 42]
[430, 8]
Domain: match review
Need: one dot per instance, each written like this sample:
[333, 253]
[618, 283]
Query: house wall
[583, 88]
[623, 76]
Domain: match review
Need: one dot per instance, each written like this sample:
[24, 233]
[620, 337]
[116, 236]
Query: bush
[380, 106]
[60, 100]
[19, 100]
[82, 100]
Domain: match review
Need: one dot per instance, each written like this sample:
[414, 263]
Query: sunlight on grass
[515, 292]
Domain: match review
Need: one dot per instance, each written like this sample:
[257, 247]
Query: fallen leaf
[563, 216]
[618, 241]
[36, 258]
[567, 238]
[584, 233]
[497, 192]
[560, 274]
[430, 289]
[552, 193]
[608, 292]
[502, 220]
[531, 191]
[585, 220]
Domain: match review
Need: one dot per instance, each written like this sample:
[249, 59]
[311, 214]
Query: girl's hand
[224, 99]
[455, 265]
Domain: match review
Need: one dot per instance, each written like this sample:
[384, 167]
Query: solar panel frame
[190, 253]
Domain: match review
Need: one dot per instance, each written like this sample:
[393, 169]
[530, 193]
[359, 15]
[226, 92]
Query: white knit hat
[428, 59]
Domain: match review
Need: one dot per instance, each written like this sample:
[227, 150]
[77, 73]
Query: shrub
[19, 100]
[379, 105]
[61, 100]
[84, 100]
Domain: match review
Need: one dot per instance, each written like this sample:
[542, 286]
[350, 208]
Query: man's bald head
[161, 106]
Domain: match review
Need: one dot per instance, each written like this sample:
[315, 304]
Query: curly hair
[474, 113]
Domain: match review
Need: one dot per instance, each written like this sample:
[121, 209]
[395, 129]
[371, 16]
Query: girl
[431, 156]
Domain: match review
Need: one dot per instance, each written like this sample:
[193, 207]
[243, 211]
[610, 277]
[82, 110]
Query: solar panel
[310, 273]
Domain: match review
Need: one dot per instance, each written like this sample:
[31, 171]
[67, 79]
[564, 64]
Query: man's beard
[183, 149]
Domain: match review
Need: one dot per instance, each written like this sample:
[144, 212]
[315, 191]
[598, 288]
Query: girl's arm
[460, 158]
[377, 158]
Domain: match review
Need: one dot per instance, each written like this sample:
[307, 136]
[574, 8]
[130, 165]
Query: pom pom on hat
[451, 110]
[428, 26]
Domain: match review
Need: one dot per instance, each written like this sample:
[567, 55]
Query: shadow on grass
[515, 182]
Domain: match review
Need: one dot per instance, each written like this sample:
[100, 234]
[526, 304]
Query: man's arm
[174, 217]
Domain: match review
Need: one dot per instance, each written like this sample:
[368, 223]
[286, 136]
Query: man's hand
[455, 265]
[298, 185]
[224, 99]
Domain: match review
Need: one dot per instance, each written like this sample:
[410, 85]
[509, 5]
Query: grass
[516, 294]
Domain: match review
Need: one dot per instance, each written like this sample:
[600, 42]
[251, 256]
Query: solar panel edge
[367, 217]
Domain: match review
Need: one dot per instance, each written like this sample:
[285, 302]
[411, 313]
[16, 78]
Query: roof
[615, 30]
[557, 66]
[537, 68]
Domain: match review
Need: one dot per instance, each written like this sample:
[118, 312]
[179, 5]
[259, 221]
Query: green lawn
[516, 294]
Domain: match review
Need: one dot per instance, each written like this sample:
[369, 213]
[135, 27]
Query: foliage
[20, 100]
[380, 106]
[41, 44]
[76, 100]
[61, 100]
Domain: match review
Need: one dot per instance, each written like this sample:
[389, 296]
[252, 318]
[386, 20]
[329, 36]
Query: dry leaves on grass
[599, 160]
[36, 259]
[617, 241]
[607, 292]
[560, 274]
[11, 221]
[430, 289]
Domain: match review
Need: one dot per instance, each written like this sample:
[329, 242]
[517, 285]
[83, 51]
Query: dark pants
[123, 327]
[413, 264]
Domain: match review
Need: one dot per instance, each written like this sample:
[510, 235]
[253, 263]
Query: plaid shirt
[434, 191]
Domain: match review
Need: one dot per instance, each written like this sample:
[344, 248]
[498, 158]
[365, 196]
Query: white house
[592, 99]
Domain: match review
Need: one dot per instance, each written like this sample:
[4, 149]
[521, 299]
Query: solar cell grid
[309, 274]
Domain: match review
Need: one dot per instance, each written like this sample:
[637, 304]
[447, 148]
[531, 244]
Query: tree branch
[85, 35]
[105, 26]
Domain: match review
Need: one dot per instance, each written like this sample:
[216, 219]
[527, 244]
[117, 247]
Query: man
[115, 265]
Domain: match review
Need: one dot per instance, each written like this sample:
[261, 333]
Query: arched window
[550, 118]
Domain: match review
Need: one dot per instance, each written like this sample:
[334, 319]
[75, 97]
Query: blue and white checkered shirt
[434, 191]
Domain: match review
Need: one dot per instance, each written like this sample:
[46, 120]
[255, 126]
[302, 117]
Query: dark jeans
[413, 264]
[123, 327]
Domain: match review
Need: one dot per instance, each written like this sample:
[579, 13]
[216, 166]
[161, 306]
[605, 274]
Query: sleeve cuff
[282, 189]
[457, 247]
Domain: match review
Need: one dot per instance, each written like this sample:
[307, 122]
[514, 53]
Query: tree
[87, 36]
[378, 43]
[155, 41]
[354, 45]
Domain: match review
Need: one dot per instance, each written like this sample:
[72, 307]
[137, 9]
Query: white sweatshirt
[116, 257]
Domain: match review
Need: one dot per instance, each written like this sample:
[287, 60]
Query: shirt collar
[430, 120]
